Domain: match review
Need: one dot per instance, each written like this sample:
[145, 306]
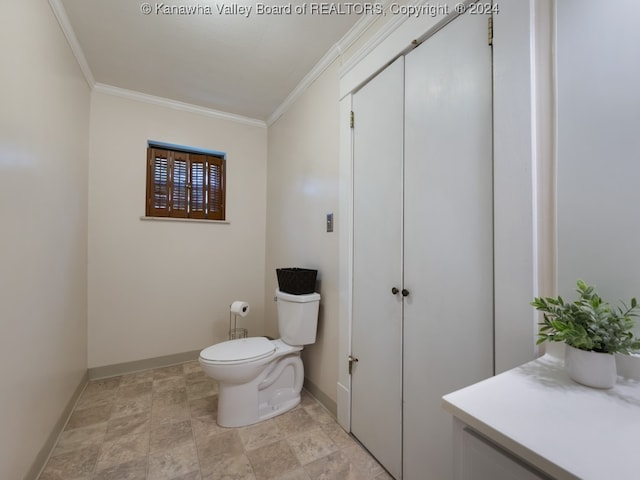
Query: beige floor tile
[273, 460]
[96, 398]
[207, 406]
[163, 415]
[187, 476]
[191, 367]
[102, 385]
[145, 376]
[165, 384]
[89, 416]
[131, 406]
[211, 449]
[80, 438]
[320, 414]
[170, 397]
[338, 435]
[136, 423]
[384, 476]
[260, 434]
[197, 376]
[174, 463]
[295, 421]
[206, 426]
[161, 424]
[123, 449]
[170, 436]
[201, 389]
[227, 467]
[166, 372]
[132, 470]
[134, 390]
[363, 462]
[311, 445]
[335, 466]
[299, 474]
[78, 464]
[306, 399]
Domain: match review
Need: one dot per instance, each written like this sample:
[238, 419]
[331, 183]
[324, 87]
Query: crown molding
[387, 29]
[65, 25]
[371, 44]
[175, 105]
[304, 84]
[63, 20]
[336, 51]
[396, 37]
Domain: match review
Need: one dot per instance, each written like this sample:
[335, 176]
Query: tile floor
[161, 424]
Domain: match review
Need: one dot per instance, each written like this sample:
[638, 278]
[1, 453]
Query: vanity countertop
[567, 430]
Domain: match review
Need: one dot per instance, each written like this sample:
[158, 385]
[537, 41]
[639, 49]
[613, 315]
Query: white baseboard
[45, 452]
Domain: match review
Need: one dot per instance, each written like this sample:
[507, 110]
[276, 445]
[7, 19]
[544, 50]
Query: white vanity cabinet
[533, 422]
[477, 458]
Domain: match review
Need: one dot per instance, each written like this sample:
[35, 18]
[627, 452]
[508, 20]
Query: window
[185, 184]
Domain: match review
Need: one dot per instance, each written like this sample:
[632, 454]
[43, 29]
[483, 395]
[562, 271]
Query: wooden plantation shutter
[157, 183]
[216, 177]
[198, 192]
[180, 174]
[183, 184]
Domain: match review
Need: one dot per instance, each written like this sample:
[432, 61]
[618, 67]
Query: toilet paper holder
[236, 332]
[235, 309]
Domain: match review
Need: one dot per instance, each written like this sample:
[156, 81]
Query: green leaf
[589, 323]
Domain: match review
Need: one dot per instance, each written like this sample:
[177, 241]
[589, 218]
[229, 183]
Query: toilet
[260, 378]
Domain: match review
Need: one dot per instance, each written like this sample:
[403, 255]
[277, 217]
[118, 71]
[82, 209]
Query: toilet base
[268, 411]
[274, 392]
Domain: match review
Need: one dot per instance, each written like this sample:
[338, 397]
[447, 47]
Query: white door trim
[345, 262]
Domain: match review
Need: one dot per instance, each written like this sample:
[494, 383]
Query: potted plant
[593, 331]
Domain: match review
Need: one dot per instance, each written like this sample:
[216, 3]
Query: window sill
[189, 220]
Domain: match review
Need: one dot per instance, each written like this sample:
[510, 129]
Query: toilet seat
[242, 350]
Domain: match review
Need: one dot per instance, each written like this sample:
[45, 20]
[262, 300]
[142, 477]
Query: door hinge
[351, 360]
[490, 30]
[351, 119]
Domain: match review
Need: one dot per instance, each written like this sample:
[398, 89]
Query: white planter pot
[592, 369]
[628, 365]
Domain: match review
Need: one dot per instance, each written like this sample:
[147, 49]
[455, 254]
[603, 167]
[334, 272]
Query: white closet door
[376, 382]
[448, 263]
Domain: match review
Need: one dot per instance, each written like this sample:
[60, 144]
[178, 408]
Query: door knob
[394, 290]
[351, 360]
[405, 292]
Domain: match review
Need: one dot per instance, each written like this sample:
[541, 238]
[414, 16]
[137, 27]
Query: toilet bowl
[260, 378]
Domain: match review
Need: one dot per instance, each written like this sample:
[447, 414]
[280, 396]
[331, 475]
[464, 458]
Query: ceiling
[234, 62]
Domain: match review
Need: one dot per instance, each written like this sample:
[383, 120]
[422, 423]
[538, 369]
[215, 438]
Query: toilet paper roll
[240, 308]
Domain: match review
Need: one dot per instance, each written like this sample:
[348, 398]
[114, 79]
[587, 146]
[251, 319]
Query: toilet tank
[297, 317]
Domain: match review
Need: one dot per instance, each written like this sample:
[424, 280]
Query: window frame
[198, 194]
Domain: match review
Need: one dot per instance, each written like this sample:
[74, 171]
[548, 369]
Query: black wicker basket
[297, 281]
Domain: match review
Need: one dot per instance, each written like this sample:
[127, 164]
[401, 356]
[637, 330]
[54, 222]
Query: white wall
[159, 287]
[598, 147]
[302, 187]
[44, 131]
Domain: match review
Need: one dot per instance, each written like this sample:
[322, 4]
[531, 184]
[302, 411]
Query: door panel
[376, 383]
[448, 229]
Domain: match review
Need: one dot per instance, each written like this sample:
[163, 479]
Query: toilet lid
[240, 350]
